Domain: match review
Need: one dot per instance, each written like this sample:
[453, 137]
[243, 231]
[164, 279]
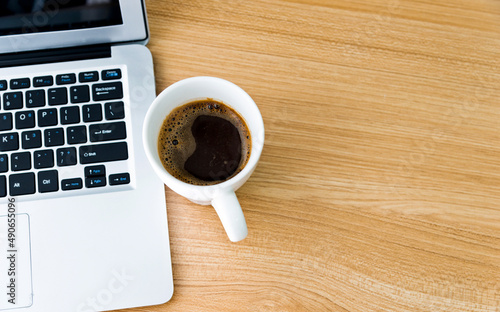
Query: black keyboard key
[66, 156]
[43, 159]
[12, 100]
[95, 182]
[9, 142]
[90, 154]
[3, 85]
[3, 186]
[119, 178]
[76, 135]
[107, 131]
[47, 117]
[4, 163]
[48, 181]
[35, 98]
[5, 121]
[20, 161]
[25, 120]
[88, 76]
[114, 110]
[22, 184]
[107, 91]
[92, 112]
[70, 115]
[31, 139]
[79, 94]
[21, 83]
[111, 74]
[95, 171]
[54, 137]
[65, 79]
[43, 81]
[58, 96]
[71, 184]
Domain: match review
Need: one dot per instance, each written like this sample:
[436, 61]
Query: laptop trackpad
[15, 262]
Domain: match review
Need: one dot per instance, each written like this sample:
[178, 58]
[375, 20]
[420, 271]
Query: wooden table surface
[379, 185]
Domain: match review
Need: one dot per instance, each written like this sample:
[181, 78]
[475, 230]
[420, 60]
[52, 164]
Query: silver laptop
[83, 223]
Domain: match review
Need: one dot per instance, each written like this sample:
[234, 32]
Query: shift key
[107, 91]
[90, 154]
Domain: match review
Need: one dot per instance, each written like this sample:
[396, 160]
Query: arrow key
[119, 178]
[95, 182]
[71, 184]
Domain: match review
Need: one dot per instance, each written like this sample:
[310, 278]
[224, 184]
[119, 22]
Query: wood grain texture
[379, 184]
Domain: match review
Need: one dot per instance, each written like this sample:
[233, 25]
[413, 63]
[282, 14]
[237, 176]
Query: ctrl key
[48, 181]
[71, 184]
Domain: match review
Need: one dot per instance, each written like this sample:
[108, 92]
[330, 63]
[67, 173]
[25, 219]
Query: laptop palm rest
[15, 262]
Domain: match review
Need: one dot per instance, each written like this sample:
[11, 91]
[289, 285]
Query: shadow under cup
[202, 88]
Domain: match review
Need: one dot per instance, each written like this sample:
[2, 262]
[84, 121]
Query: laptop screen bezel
[134, 28]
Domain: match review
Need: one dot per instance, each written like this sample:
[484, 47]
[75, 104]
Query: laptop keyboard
[62, 132]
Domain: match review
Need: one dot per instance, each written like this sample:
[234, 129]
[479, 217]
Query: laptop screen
[32, 25]
[36, 16]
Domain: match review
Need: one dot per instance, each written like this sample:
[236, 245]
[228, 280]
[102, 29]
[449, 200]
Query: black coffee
[204, 142]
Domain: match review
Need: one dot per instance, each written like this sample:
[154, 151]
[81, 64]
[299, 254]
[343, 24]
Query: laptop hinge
[55, 55]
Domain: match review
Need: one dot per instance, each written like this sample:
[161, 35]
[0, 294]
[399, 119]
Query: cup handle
[230, 214]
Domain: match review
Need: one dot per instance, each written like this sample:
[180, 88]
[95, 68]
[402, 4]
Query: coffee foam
[176, 142]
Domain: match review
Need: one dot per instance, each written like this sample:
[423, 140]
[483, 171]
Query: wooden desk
[379, 185]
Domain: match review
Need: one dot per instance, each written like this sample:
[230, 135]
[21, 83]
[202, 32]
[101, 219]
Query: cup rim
[152, 151]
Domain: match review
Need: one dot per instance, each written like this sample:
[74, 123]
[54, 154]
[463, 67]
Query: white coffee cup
[221, 196]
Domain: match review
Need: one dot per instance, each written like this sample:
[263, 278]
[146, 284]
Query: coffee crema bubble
[204, 142]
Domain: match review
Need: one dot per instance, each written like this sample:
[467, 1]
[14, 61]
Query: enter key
[108, 131]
